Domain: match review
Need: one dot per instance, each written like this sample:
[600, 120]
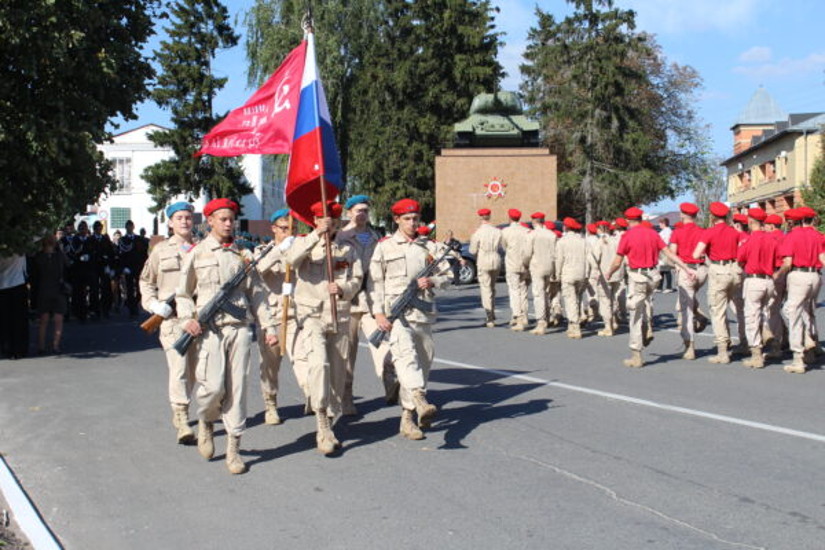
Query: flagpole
[287, 281]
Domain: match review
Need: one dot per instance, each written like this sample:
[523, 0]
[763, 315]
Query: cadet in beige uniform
[590, 305]
[484, 245]
[606, 289]
[515, 243]
[158, 282]
[396, 261]
[358, 236]
[223, 357]
[325, 351]
[572, 271]
[542, 270]
[272, 269]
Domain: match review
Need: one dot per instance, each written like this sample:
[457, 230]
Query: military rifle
[220, 302]
[409, 298]
[153, 323]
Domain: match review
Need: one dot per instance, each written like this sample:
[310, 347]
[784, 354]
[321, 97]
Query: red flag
[265, 124]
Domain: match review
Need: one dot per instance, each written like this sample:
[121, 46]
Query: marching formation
[751, 267]
[308, 296]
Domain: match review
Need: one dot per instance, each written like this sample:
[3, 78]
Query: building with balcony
[773, 155]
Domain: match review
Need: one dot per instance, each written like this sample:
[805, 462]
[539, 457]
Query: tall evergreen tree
[618, 116]
[68, 67]
[186, 86]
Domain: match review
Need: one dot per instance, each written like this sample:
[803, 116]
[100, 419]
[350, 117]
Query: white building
[131, 153]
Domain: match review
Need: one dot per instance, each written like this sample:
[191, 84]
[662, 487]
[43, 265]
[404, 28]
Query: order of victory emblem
[495, 189]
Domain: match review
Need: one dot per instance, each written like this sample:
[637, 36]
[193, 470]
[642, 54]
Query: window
[123, 175]
[119, 216]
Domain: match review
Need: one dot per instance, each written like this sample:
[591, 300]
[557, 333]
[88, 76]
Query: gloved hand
[286, 243]
[161, 308]
[84, 258]
[127, 271]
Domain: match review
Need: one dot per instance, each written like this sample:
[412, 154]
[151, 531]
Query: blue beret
[278, 214]
[177, 207]
[356, 199]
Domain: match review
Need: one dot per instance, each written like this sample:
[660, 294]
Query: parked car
[468, 273]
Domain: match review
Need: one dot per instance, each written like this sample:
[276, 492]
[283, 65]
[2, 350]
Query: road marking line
[27, 517]
[643, 402]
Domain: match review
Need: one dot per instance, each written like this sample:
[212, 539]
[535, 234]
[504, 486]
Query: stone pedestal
[498, 179]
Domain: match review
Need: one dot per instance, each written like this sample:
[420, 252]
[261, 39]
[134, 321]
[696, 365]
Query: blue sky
[736, 45]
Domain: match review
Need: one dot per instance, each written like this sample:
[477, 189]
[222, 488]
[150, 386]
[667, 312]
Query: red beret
[334, 209]
[602, 223]
[688, 208]
[423, 230]
[807, 212]
[591, 228]
[514, 214]
[406, 206]
[677, 225]
[557, 232]
[537, 215]
[570, 223]
[758, 214]
[526, 225]
[740, 218]
[719, 209]
[613, 227]
[621, 222]
[633, 213]
[647, 223]
[793, 214]
[774, 219]
[483, 212]
[218, 204]
[550, 225]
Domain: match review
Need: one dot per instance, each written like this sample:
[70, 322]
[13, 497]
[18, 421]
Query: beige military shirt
[161, 272]
[609, 245]
[208, 266]
[484, 245]
[272, 269]
[308, 256]
[543, 252]
[516, 243]
[364, 245]
[398, 260]
[571, 258]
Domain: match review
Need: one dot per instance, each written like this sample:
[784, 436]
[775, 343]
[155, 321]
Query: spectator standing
[48, 281]
[14, 325]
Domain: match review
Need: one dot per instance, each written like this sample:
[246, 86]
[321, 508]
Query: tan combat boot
[541, 328]
[491, 319]
[426, 411]
[574, 331]
[324, 438]
[607, 330]
[180, 419]
[520, 326]
[721, 357]
[271, 415]
[798, 365]
[690, 351]
[233, 458]
[206, 445]
[756, 360]
[635, 361]
[408, 428]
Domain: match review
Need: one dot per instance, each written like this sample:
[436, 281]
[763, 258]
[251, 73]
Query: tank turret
[496, 120]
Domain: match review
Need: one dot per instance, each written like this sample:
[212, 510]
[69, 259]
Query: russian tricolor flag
[314, 156]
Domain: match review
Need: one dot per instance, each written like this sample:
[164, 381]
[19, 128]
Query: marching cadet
[325, 351]
[130, 256]
[607, 289]
[641, 246]
[758, 258]
[484, 245]
[100, 292]
[571, 269]
[777, 334]
[272, 269]
[683, 242]
[358, 235]
[619, 229]
[554, 286]
[158, 281]
[591, 300]
[542, 270]
[515, 242]
[720, 242]
[223, 357]
[740, 223]
[396, 261]
[803, 253]
[81, 260]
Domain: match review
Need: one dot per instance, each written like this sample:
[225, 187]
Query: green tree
[68, 67]
[814, 193]
[186, 86]
[617, 115]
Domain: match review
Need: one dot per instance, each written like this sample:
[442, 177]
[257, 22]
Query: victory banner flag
[265, 124]
[314, 160]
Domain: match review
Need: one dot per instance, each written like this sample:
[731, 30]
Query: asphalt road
[541, 442]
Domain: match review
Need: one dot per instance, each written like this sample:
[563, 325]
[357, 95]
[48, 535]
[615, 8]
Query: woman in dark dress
[49, 270]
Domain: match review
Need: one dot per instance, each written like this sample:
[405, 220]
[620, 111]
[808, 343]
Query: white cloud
[757, 54]
[783, 68]
[683, 17]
